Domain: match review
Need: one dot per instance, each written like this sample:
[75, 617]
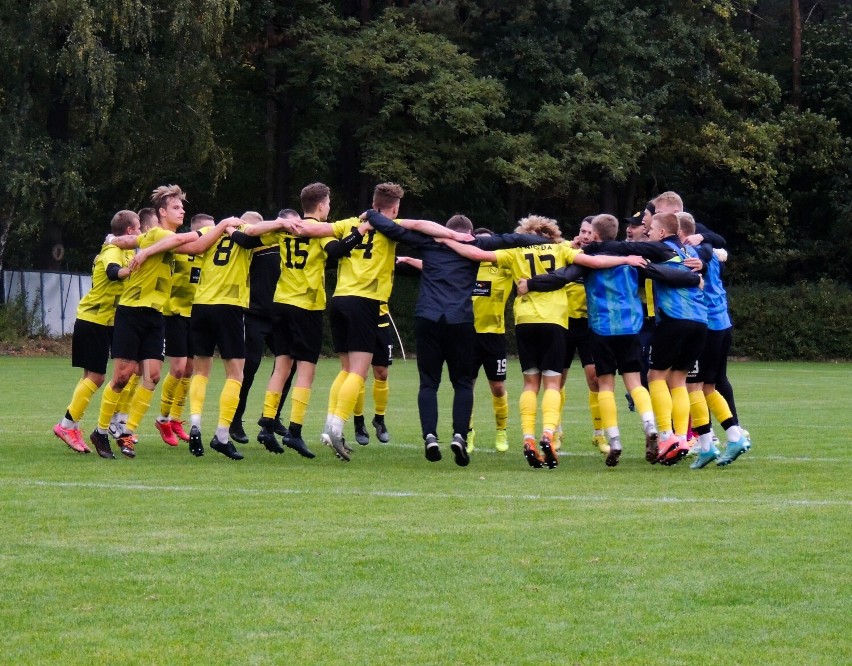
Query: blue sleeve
[392, 230]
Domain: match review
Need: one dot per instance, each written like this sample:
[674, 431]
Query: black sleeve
[112, 271]
[704, 252]
[394, 231]
[670, 275]
[711, 237]
[557, 279]
[246, 241]
[341, 248]
[504, 241]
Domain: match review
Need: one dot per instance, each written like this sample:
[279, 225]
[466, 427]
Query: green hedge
[809, 321]
[806, 322]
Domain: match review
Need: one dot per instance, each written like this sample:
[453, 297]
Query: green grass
[392, 560]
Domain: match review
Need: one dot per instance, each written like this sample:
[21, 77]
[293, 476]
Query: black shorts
[383, 351]
[177, 336]
[298, 332]
[138, 334]
[677, 344]
[491, 353]
[221, 326]
[712, 365]
[621, 353]
[90, 345]
[354, 323]
[578, 340]
[541, 347]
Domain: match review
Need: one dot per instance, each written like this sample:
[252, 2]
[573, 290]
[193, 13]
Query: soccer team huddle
[651, 308]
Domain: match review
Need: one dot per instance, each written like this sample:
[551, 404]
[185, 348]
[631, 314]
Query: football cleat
[101, 444]
[165, 430]
[361, 434]
[72, 437]
[177, 429]
[600, 442]
[531, 453]
[614, 452]
[226, 449]
[127, 445]
[547, 449]
[704, 458]
[235, 432]
[501, 441]
[382, 433]
[337, 444]
[267, 438]
[734, 450]
[196, 448]
[471, 438]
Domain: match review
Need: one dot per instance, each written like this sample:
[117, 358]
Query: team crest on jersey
[482, 288]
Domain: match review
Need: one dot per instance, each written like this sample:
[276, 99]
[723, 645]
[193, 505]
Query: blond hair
[387, 194]
[540, 226]
[668, 221]
[605, 226]
[668, 197]
[160, 197]
[122, 221]
[251, 217]
[686, 223]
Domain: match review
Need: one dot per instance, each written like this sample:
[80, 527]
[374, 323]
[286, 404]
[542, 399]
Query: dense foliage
[494, 108]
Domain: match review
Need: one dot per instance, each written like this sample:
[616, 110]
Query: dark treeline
[489, 107]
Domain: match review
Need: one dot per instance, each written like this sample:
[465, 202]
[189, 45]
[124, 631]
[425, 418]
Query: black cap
[636, 220]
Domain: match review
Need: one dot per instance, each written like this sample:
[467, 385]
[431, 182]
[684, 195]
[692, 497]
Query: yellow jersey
[224, 273]
[302, 280]
[490, 294]
[577, 308]
[151, 285]
[536, 307]
[98, 305]
[186, 273]
[368, 270]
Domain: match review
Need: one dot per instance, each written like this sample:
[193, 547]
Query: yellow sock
[179, 399]
[359, 403]
[299, 400]
[528, 405]
[563, 396]
[334, 392]
[270, 404]
[698, 409]
[229, 398]
[127, 392]
[595, 410]
[139, 407]
[197, 394]
[109, 400]
[470, 423]
[81, 397]
[381, 395]
[167, 396]
[348, 394]
[642, 400]
[550, 402]
[501, 410]
[719, 407]
[608, 410]
[661, 399]
[680, 410]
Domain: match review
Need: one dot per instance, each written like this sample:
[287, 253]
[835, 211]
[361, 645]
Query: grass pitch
[389, 559]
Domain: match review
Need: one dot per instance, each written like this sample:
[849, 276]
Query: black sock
[295, 429]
